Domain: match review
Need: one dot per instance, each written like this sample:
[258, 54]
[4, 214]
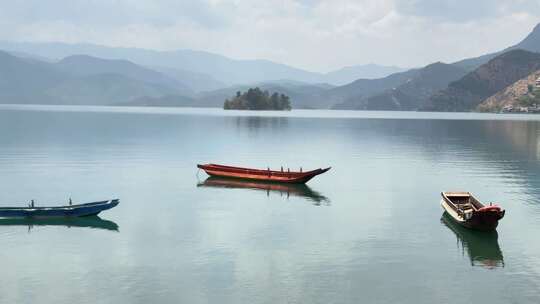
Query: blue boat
[63, 211]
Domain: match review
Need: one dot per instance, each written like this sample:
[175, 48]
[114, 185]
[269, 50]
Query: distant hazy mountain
[415, 93]
[23, 80]
[468, 92]
[84, 65]
[198, 82]
[104, 89]
[368, 71]
[31, 56]
[79, 80]
[530, 43]
[207, 67]
[87, 80]
[221, 68]
[352, 95]
[163, 101]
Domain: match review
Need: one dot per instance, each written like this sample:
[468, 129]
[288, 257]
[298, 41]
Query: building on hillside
[507, 109]
[518, 109]
[537, 82]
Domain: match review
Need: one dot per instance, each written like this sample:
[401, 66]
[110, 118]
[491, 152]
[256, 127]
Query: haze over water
[370, 230]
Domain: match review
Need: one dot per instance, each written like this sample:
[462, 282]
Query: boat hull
[484, 221]
[261, 175]
[80, 210]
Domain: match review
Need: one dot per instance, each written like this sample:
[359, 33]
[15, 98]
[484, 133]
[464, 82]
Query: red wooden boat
[292, 177]
[467, 211]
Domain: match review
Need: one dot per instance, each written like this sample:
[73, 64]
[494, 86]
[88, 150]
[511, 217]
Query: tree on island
[256, 99]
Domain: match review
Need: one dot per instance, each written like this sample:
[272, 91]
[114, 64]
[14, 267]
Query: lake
[371, 230]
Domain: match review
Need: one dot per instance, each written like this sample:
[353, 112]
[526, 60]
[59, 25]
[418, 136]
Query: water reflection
[256, 122]
[521, 137]
[94, 222]
[287, 190]
[481, 246]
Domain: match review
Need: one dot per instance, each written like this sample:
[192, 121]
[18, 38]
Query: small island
[256, 99]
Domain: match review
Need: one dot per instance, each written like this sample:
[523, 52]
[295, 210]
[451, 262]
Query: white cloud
[312, 34]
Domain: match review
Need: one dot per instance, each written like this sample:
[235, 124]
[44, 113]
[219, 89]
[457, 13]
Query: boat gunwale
[261, 171]
[474, 203]
[452, 212]
[69, 207]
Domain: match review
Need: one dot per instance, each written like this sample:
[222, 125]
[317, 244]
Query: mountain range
[213, 66]
[530, 43]
[403, 91]
[512, 95]
[415, 93]
[367, 71]
[57, 73]
[79, 80]
[23, 80]
[468, 92]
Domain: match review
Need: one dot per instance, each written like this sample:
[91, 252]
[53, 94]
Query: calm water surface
[369, 231]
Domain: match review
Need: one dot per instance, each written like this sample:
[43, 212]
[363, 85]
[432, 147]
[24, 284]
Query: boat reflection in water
[299, 190]
[94, 222]
[481, 246]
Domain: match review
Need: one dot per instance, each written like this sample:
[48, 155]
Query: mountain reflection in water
[299, 190]
[482, 247]
[94, 222]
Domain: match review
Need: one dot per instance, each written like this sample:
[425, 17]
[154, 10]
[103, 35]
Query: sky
[317, 35]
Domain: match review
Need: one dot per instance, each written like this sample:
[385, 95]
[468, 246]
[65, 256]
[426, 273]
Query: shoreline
[295, 113]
